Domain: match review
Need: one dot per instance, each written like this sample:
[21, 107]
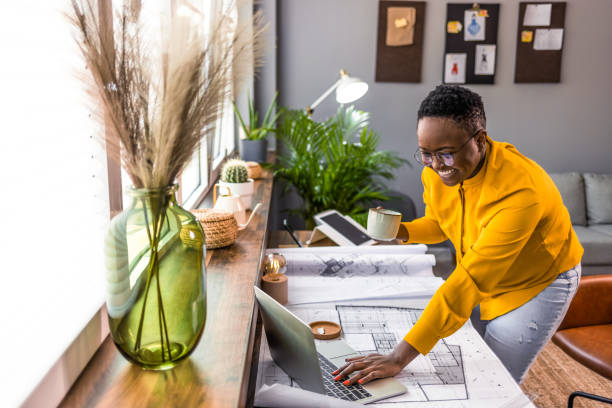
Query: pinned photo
[485, 60]
[474, 26]
[454, 68]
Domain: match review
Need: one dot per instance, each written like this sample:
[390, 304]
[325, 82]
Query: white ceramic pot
[244, 190]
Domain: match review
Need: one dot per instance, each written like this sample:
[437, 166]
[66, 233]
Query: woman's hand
[375, 366]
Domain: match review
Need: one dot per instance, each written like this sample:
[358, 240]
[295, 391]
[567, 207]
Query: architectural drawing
[360, 262]
[460, 371]
[443, 366]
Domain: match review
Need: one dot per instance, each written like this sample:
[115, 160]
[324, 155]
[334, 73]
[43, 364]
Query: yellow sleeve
[425, 230]
[478, 273]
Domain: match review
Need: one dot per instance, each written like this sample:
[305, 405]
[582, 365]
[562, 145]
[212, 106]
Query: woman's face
[443, 135]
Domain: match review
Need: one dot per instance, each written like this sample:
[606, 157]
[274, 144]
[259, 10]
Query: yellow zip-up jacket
[512, 234]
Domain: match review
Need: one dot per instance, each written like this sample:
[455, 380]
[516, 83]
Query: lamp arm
[325, 95]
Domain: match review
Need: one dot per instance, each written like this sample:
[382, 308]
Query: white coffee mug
[383, 224]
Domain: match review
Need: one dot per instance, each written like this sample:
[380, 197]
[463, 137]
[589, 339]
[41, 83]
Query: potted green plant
[254, 146]
[333, 165]
[234, 176]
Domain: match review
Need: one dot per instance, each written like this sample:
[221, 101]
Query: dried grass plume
[159, 102]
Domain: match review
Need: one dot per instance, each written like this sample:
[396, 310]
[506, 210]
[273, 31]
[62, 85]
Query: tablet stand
[320, 232]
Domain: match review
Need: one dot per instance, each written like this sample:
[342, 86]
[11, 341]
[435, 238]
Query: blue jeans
[518, 336]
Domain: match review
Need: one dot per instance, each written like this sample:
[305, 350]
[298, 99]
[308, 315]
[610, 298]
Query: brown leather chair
[586, 331]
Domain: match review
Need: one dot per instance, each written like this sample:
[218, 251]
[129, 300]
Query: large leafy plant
[334, 164]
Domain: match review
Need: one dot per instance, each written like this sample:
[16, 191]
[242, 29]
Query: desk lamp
[348, 89]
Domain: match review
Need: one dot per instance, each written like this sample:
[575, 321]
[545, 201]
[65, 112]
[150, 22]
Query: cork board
[538, 65]
[457, 44]
[399, 63]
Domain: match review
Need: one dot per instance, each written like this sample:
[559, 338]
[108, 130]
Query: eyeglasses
[448, 158]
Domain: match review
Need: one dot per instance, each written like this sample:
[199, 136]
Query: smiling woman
[518, 258]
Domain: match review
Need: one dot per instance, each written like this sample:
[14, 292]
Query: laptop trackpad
[336, 351]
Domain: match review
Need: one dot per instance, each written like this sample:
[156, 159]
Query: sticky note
[453, 27]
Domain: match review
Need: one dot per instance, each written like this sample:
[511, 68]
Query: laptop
[293, 349]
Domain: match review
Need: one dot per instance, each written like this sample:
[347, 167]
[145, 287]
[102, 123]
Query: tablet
[342, 229]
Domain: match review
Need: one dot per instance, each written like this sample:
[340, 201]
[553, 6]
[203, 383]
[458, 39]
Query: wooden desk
[217, 374]
[282, 239]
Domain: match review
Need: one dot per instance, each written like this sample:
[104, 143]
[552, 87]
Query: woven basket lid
[220, 227]
[212, 215]
[253, 169]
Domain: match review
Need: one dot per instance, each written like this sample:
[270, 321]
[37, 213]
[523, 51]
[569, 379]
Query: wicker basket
[254, 170]
[220, 227]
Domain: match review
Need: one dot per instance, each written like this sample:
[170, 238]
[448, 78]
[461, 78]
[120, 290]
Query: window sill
[218, 371]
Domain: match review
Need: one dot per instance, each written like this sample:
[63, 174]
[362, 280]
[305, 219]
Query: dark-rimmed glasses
[448, 158]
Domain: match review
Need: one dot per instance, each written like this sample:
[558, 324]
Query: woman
[518, 258]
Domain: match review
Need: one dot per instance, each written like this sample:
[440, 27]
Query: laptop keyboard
[336, 388]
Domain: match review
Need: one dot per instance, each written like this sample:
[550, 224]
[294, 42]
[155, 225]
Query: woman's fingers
[358, 377]
[349, 368]
[372, 375]
[352, 360]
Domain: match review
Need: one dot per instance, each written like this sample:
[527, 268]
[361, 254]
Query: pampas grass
[158, 103]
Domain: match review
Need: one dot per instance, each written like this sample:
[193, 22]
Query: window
[55, 205]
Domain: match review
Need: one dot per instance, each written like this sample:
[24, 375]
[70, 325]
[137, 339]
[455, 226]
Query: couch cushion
[603, 228]
[597, 246]
[589, 345]
[571, 187]
[598, 188]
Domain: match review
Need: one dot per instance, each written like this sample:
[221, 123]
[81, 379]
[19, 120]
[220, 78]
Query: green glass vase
[156, 280]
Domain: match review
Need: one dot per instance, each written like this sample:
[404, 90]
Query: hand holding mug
[383, 224]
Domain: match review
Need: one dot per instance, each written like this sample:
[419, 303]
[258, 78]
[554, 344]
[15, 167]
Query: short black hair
[457, 103]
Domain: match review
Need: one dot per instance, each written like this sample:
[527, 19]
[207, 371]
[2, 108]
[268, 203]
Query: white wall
[564, 126]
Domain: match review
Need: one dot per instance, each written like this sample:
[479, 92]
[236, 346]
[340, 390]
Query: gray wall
[564, 126]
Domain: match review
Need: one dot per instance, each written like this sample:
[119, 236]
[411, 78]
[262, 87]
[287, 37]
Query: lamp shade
[350, 89]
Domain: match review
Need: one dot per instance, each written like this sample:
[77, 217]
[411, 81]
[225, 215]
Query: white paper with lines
[461, 371]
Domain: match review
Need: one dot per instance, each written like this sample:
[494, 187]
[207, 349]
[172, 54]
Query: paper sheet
[365, 250]
[485, 60]
[474, 26]
[548, 39]
[461, 371]
[284, 396]
[314, 289]
[347, 262]
[537, 15]
[454, 68]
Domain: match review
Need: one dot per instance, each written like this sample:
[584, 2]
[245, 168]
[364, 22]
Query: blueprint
[377, 294]
[346, 262]
[460, 371]
[313, 289]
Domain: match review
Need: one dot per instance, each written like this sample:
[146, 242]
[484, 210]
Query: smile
[446, 173]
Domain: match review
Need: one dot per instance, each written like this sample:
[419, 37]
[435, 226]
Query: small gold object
[275, 263]
[274, 282]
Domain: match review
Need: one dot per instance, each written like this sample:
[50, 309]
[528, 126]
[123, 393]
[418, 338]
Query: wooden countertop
[217, 373]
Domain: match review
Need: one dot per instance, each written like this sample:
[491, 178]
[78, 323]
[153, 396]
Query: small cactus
[235, 171]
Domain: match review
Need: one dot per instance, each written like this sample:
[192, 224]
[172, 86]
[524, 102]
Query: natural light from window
[55, 199]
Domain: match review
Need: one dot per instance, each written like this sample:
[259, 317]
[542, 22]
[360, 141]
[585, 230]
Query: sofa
[588, 198]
